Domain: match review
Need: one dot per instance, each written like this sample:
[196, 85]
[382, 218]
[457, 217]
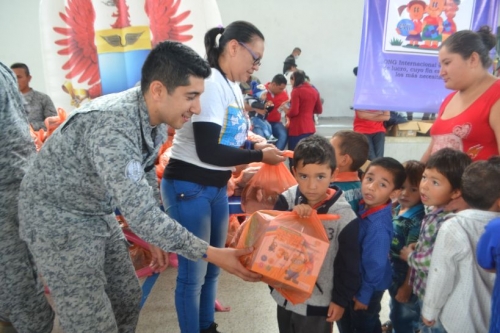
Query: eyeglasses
[256, 59]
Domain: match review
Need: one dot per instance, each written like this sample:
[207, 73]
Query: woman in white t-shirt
[204, 152]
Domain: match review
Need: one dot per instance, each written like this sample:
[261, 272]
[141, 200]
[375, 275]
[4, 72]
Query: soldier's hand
[160, 259]
[272, 156]
[228, 260]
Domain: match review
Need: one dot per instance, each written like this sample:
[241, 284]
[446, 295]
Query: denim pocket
[187, 190]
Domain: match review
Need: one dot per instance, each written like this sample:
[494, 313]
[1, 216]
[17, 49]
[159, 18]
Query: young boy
[458, 291]
[488, 257]
[407, 218]
[440, 185]
[383, 179]
[351, 152]
[314, 167]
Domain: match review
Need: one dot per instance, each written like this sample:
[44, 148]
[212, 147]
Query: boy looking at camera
[314, 167]
[383, 180]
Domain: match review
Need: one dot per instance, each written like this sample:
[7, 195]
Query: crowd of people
[420, 229]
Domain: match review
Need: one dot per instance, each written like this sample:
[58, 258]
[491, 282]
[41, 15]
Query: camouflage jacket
[16, 144]
[39, 106]
[101, 158]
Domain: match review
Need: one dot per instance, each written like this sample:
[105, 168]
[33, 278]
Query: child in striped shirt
[440, 185]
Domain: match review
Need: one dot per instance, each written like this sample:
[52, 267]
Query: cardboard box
[287, 257]
[405, 129]
[289, 251]
[425, 127]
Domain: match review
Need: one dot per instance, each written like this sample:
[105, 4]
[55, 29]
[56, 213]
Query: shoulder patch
[134, 171]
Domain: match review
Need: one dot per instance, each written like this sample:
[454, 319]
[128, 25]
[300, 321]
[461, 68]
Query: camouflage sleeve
[153, 182]
[16, 144]
[49, 110]
[116, 153]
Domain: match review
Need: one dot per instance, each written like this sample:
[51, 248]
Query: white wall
[327, 31]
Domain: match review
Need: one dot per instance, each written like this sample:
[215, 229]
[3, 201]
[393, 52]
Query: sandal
[387, 326]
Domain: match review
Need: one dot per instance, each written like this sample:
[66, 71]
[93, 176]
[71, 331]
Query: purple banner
[398, 62]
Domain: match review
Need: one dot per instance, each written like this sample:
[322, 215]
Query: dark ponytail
[241, 31]
[465, 42]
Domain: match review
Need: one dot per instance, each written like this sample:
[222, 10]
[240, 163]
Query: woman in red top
[305, 102]
[469, 118]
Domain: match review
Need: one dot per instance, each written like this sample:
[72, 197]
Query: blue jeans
[261, 127]
[405, 317]
[376, 142]
[280, 133]
[362, 321]
[204, 211]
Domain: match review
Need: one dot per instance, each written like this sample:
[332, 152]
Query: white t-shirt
[219, 106]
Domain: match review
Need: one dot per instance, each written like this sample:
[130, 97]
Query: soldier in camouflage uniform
[101, 158]
[22, 299]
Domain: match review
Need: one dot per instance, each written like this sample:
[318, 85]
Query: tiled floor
[252, 308]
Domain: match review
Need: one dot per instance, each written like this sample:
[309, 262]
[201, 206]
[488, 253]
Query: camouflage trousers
[85, 261]
[22, 298]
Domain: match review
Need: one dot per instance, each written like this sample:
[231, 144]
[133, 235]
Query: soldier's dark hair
[466, 42]
[414, 170]
[172, 63]
[355, 145]
[450, 163]
[279, 79]
[297, 49]
[21, 65]
[481, 183]
[241, 31]
[395, 168]
[314, 149]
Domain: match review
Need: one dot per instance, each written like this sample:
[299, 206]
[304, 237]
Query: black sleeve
[206, 139]
[281, 204]
[347, 276]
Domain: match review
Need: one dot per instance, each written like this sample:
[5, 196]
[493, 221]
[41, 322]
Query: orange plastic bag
[263, 190]
[233, 227]
[289, 250]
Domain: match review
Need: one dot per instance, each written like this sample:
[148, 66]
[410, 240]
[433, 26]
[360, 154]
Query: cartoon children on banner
[426, 28]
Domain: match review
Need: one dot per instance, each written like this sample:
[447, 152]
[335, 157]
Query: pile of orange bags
[140, 256]
[289, 250]
[51, 123]
[263, 190]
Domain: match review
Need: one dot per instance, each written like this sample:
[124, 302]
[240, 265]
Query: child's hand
[428, 323]
[358, 305]
[406, 250]
[335, 312]
[404, 293]
[303, 210]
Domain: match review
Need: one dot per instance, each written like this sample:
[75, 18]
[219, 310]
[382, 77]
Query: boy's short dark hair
[451, 163]
[481, 183]
[393, 166]
[279, 79]
[414, 170]
[314, 149]
[355, 145]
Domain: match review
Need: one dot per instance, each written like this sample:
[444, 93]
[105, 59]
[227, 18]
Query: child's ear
[334, 174]
[395, 194]
[496, 206]
[455, 194]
